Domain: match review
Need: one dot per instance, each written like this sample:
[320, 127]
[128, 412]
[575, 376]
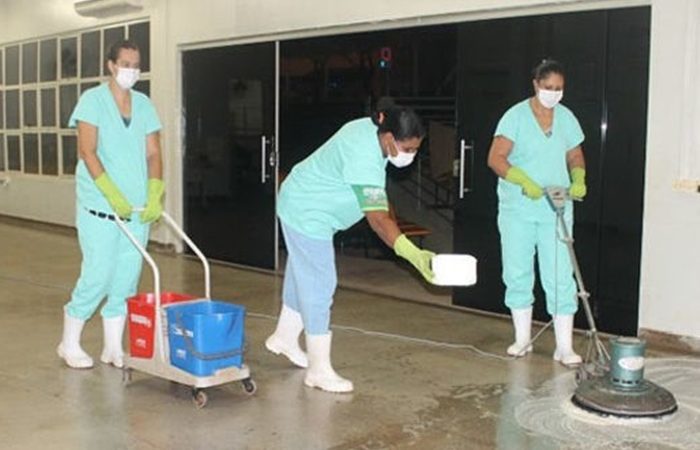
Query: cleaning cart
[192, 341]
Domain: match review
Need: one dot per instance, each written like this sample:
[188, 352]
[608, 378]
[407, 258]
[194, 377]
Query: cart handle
[154, 268]
[156, 273]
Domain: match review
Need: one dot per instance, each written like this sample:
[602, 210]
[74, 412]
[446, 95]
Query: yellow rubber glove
[154, 205]
[578, 183]
[518, 176]
[114, 196]
[418, 257]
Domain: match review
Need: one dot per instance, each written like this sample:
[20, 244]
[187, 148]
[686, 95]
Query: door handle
[463, 149]
[263, 159]
[461, 168]
[272, 159]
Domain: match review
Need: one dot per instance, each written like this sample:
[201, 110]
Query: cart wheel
[199, 397]
[249, 386]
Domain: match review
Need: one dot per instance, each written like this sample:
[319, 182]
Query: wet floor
[408, 394]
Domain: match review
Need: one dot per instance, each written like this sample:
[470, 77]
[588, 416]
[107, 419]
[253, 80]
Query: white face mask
[549, 99]
[402, 159]
[126, 78]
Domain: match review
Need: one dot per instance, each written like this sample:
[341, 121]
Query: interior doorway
[230, 154]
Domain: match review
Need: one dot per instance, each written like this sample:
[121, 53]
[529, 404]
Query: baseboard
[71, 231]
[670, 342]
[38, 225]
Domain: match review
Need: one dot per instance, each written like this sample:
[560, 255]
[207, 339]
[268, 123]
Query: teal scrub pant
[310, 279]
[111, 266]
[521, 238]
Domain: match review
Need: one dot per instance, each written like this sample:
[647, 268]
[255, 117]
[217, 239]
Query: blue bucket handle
[205, 356]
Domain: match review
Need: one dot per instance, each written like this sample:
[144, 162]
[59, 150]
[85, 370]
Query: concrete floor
[408, 394]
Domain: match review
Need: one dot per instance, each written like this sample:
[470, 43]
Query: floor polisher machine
[609, 384]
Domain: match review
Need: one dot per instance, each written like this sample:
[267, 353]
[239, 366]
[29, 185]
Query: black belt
[103, 215]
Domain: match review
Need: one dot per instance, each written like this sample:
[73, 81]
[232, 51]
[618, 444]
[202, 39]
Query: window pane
[49, 154]
[13, 158]
[143, 86]
[12, 109]
[48, 107]
[29, 62]
[68, 98]
[12, 65]
[139, 33]
[69, 57]
[31, 153]
[2, 110]
[29, 104]
[48, 60]
[90, 54]
[2, 153]
[85, 86]
[69, 146]
[112, 35]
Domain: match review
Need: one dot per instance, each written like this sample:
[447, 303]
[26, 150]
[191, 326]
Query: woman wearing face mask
[537, 144]
[331, 190]
[119, 168]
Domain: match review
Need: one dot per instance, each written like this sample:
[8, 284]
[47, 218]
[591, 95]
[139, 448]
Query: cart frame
[159, 364]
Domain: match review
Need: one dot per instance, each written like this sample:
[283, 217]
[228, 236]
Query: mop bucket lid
[454, 269]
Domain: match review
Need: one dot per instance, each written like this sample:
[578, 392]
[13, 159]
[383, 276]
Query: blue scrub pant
[521, 238]
[309, 279]
[111, 266]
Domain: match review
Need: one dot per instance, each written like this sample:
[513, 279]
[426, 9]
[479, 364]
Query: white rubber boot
[522, 323]
[285, 339]
[563, 332]
[320, 373]
[69, 349]
[113, 353]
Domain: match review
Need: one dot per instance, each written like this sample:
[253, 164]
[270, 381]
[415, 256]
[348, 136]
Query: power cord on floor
[416, 340]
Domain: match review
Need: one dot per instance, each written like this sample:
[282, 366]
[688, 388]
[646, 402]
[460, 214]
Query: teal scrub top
[542, 157]
[120, 148]
[317, 197]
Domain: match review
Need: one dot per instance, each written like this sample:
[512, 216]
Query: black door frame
[272, 155]
[615, 304]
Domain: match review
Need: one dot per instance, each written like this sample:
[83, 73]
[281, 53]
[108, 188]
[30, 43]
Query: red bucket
[141, 309]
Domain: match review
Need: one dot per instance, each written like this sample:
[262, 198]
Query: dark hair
[401, 121]
[547, 67]
[118, 46]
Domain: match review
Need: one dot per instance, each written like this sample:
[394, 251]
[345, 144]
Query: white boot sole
[335, 387]
[274, 346]
[116, 361]
[518, 350]
[568, 360]
[75, 362]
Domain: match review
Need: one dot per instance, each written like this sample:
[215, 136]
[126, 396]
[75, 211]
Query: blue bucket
[205, 336]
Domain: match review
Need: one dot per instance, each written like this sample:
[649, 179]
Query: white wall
[216, 19]
[670, 290]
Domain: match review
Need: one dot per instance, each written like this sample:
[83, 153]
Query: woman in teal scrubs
[331, 190]
[119, 168]
[537, 144]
